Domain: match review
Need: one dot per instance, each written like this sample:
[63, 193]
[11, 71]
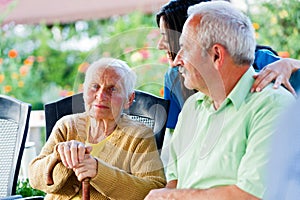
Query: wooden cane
[85, 183]
[86, 189]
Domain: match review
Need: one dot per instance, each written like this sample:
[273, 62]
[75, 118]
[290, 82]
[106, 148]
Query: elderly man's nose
[178, 60]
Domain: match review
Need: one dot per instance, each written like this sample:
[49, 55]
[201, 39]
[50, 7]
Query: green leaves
[279, 25]
[24, 189]
[57, 52]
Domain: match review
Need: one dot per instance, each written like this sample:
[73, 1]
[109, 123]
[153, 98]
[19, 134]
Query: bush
[24, 189]
[41, 63]
[278, 25]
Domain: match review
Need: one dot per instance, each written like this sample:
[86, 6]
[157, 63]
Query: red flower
[284, 54]
[83, 67]
[7, 88]
[161, 92]
[24, 70]
[164, 59]
[12, 53]
[144, 53]
[2, 77]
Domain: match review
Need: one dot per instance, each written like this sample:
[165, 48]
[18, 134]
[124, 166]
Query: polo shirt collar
[239, 93]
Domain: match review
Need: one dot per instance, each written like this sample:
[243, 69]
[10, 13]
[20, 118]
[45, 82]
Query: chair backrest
[14, 121]
[146, 108]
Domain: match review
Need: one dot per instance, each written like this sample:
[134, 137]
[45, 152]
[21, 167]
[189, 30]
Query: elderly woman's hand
[72, 153]
[87, 168]
[75, 155]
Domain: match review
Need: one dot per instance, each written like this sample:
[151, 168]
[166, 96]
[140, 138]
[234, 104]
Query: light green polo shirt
[228, 146]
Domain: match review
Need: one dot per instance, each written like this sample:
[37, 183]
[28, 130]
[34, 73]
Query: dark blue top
[264, 57]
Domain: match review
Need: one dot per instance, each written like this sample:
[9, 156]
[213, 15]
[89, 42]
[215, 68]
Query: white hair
[221, 23]
[129, 78]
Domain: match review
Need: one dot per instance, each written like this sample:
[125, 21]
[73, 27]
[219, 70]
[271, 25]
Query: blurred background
[46, 46]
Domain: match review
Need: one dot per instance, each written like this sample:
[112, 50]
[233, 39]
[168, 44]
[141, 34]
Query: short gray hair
[129, 78]
[223, 24]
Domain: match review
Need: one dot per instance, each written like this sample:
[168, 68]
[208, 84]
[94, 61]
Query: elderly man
[219, 149]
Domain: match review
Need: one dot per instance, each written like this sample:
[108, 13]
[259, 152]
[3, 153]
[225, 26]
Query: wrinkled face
[163, 43]
[193, 63]
[105, 95]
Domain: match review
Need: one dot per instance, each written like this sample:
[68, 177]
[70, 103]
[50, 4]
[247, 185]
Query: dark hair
[175, 14]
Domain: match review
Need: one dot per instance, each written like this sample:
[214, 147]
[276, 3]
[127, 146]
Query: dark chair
[146, 108]
[14, 120]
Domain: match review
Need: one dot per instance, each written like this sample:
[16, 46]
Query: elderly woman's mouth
[101, 106]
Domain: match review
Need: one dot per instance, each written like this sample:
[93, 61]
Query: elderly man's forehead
[189, 29]
[194, 20]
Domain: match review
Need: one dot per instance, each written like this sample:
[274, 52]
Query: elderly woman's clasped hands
[75, 155]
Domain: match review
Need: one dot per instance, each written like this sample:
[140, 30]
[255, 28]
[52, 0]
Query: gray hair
[223, 24]
[129, 77]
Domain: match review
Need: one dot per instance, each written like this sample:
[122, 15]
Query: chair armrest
[33, 197]
[19, 197]
[11, 197]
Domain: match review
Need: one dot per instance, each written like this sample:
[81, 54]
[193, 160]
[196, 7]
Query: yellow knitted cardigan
[128, 166]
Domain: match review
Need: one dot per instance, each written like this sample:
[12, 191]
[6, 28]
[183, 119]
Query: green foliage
[134, 38]
[24, 189]
[36, 66]
[50, 61]
[279, 22]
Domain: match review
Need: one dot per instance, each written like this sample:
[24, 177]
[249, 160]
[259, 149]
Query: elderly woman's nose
[101, 94]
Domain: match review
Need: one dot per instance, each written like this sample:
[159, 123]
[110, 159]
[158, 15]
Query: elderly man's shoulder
[274, 96]
[268, 102]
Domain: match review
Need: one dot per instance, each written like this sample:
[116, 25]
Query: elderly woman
[118, 154]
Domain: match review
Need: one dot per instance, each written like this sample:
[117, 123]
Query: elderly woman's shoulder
[77, 118]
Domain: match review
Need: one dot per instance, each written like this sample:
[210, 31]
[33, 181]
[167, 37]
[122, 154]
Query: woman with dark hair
[170, 19]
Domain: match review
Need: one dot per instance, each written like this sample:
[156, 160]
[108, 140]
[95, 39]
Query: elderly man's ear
[129, 101]
[218, 54]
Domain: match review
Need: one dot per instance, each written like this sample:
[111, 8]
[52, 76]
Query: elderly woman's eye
[94, 86]
[113, 89]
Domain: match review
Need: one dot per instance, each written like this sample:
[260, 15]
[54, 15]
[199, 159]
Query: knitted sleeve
[38, 166]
